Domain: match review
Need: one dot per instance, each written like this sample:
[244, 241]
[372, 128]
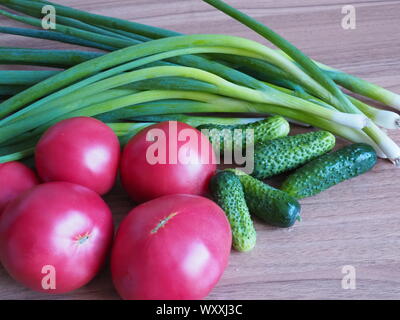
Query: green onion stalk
[55, 36]
[362, 87]
[48, 58]
[23, 77]
[383, 118]
[267, 72]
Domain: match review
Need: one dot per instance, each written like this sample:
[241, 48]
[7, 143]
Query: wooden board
[355, 223]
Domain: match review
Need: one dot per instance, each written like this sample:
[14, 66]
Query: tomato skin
[80, 150]
[182, 259]
[15, 178]
[58, 224]
[145, 181]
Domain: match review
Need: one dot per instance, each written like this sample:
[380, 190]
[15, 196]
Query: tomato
[173, 247]
[167, 158]
[15, 178]
[80, 150]
[55, 237]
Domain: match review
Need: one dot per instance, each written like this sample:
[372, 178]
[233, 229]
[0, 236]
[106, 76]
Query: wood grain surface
[356, 223]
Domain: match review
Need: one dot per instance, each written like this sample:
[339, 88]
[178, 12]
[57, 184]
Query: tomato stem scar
[82, 238]
[163, 222]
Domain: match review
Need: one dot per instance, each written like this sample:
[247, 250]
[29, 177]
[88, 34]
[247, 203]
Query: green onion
[195, 120]
[365, 88]
[17, 155]
[383, 118]
[95, 19]
[359, 86]
[65, 21]
[204, 103]
[49, 58]
[304, 61]
[25, 78]
[338, 98]
[75, 32]
[56, 36]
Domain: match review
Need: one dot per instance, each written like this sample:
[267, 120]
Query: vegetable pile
[150, 66]
[147, 84]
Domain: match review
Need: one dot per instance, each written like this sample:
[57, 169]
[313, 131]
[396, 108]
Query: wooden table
[356, 223]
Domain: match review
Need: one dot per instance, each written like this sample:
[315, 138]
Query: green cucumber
[271, 205]
[329, 170]
[221, 136]
[228, 193]
[283, 154]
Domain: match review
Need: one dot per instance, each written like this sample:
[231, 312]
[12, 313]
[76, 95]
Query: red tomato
[173, 247]
[162, 159]
[80, 150]
[15, 178]
[55, 237]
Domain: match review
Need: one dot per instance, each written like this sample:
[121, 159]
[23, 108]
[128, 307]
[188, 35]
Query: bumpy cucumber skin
[283, 154]
[271, 205]
[330, 169]
[264, 130]
[228, 193]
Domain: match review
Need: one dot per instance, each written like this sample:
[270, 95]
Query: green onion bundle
[154, 74]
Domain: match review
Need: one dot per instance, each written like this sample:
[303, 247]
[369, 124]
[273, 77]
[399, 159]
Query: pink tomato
[15, 178]
[55, 237]
[167, 158]
[173, 247]
[80, 150]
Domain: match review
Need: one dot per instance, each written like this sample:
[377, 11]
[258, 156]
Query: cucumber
[228, 193]
[283, 154]
[329, 170]
[271, 205]
[224, 138]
